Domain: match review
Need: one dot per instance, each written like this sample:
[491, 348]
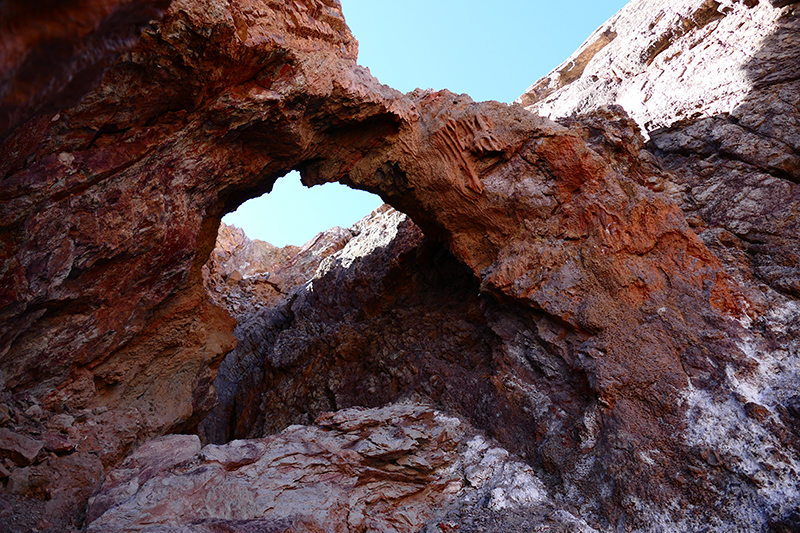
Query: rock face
[244, 275]
[552, 288]
[730, 134]
[404, 321]
[391, 469]
[53, 53]
[258, 302]
[728, 138]
[390, 316]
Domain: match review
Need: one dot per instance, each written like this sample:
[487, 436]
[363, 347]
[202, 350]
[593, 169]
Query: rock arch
[110, 209]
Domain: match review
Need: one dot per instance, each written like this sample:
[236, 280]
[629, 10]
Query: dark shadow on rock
[408, 322]
[742, 169]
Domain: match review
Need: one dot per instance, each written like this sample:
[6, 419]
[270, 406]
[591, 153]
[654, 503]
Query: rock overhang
[213, 105]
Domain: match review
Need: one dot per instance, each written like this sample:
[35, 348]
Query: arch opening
[292, 214]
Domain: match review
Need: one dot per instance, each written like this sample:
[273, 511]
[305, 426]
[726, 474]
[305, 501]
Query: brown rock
[600, 310]
[233, 250]
[234, 278]
[54, 493]
[382, 319]
[19, 481]
[53, 442]
[148, 460]
[267, 292]
[55, 53]
[268, 274]
[19, 448]
[34, 412]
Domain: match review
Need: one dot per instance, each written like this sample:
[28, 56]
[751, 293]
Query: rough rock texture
[389, 316]
[52, 53]
[648, 381]
[729, 133]
[272, 277]
[235, 263]
[244, 275]
[729, 137]
[52, 463]
[392, 469]
[406, 321]
[236, 252]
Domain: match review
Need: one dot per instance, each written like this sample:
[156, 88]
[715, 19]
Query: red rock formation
[243, 275]
[55, 52]
[729, 139]
[273, 275]
[729, 134]
[625, 318]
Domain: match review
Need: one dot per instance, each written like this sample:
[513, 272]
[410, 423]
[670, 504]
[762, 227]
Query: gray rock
[394, 469]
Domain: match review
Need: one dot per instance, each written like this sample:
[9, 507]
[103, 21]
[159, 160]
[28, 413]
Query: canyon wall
[713, 85]
[611, 297]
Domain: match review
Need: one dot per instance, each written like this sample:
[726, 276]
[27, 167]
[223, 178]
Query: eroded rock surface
[259, 302]
[52, 53]
[714, 84]
[550, 287]
[244, 275]
[391, 469]
[406, 321]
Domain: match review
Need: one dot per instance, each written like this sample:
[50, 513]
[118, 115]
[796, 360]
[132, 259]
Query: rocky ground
[580, 313]
[390, 469]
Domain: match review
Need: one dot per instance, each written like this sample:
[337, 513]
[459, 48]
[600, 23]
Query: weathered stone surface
[389, 325]
[389, 316]
[244, 275]
[391, 469]
[53, 53]
[67, 312]
[52, 496]
[714, 84]
[235, 251]
[728, 136]
[619, 351]
[51, 493]
[665, 62]
[269, 292]
[19, 448]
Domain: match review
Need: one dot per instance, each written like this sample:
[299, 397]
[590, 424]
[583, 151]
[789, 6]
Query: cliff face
[573, 288]
[54, 52]
[712, 84]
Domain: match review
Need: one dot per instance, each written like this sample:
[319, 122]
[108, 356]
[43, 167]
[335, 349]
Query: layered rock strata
[640, 353]
[393, 469]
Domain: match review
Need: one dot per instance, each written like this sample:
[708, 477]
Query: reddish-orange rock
[612, 323]
[729, 133]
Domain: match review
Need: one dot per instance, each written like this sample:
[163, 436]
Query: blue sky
[489, 50]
